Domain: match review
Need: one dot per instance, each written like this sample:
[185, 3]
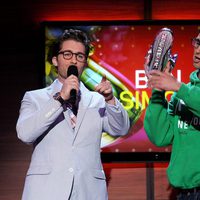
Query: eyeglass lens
[69, 54]
[196, 42]
[79, 56]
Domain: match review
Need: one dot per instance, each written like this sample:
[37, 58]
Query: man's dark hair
[69, 34]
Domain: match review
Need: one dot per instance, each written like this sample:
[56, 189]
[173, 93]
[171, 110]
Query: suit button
[71, 169]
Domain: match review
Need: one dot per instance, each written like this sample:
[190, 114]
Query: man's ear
[54, 61]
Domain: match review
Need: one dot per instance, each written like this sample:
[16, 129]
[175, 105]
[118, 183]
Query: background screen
[119, 49]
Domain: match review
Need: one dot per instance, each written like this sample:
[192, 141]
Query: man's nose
[197, 50]
[73, 59]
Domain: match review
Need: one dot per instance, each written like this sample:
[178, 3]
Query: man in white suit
[66, 162]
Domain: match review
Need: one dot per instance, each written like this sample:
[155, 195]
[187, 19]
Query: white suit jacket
[64, 159]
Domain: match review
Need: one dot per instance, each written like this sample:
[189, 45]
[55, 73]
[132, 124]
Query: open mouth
[196, 59]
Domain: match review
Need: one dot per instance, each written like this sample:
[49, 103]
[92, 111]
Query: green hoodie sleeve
[191, 97]
[158, 123]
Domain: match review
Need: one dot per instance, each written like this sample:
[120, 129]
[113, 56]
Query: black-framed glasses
[196, 42]
[67, 55]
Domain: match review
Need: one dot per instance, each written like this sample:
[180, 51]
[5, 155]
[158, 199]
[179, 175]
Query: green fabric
[177, 123]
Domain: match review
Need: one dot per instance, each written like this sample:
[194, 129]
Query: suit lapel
[54, 88]
[86, 98]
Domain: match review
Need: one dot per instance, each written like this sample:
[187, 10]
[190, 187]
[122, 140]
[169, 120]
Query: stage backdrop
[118, 51]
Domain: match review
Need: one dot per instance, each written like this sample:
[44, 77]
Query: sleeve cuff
[183, 90]
[115, 107]
[158, 96]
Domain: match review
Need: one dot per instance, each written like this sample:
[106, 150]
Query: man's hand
[105, 89]
[163, 80]
[70, 83]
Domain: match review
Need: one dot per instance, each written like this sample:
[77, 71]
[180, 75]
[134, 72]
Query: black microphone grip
[72, 70]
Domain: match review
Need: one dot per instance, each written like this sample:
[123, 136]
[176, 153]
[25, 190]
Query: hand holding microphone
[71, 85]
[105, 89]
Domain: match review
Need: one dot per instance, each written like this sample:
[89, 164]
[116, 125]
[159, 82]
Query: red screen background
[123, 47]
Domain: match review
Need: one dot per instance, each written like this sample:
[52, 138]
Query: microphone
[72, 70]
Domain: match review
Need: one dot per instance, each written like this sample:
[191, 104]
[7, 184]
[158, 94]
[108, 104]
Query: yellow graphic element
[126, 98]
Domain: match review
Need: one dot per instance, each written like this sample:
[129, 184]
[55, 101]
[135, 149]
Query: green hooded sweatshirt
[177, 123]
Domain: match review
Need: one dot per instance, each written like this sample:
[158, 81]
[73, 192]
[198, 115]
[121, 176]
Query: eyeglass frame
[72, 53]
[195, 42]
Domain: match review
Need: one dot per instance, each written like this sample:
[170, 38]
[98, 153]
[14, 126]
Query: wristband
[58, 97]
